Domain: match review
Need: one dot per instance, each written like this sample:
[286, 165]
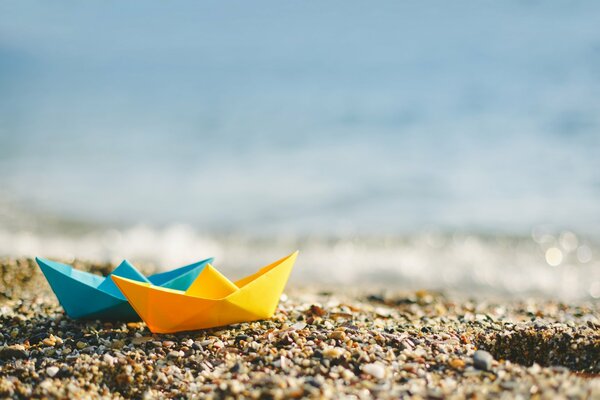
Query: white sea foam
[547, 265]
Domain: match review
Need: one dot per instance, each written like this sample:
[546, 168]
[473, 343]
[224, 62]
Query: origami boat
[212, 300]
[85, 295]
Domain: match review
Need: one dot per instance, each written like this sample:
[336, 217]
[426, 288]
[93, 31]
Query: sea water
[443, 145]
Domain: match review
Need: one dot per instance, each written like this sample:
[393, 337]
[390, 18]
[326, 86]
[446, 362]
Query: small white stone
[175, 354]
[347, 374]
[46, 384]
[299, 326]
[109, 359]
[376, 370]
[52, 371]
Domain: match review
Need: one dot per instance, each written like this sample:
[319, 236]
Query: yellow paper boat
[211, 300]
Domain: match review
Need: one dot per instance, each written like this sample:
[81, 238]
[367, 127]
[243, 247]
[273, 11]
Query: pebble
[299, 326]
[50, 341]
[107, 358]
[176, 354]
[13, 351]
[52, 371]
[337, 335]
[457, 363]
[317, 310]
[333, 352]
[141, 339]
[376, 370]
[482, 360]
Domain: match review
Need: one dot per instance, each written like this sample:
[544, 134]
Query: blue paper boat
[85, 295]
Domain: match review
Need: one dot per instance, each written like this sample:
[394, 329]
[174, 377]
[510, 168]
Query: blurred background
[447, 145]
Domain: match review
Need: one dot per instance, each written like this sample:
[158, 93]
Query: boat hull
[170, 311]
[86, 296]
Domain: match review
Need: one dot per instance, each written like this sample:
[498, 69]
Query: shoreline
[328, 343]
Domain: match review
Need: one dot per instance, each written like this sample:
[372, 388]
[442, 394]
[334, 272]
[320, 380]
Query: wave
[562, 265]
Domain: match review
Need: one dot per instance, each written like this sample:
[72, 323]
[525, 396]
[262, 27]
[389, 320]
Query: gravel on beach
[339, 344]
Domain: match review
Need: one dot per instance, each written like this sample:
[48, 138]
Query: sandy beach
[338, 343]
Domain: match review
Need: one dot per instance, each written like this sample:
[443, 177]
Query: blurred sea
[449, 146]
